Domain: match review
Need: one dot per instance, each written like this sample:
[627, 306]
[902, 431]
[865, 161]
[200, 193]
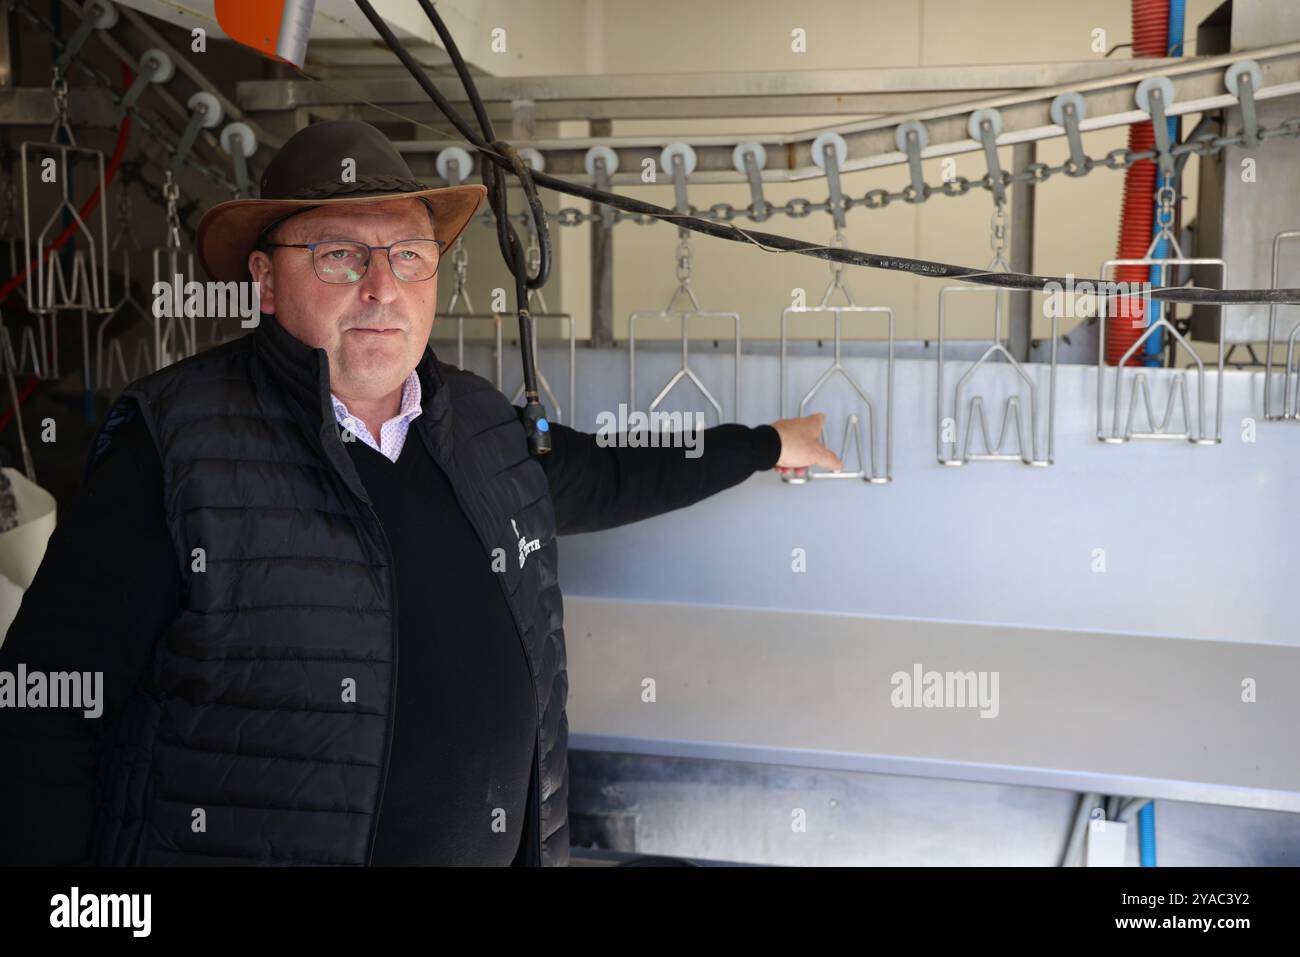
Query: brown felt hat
[308, 172]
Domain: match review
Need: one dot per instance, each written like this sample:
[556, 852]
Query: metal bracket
[1158, 431]
[984, 126]
[1290, 405]
[95, 15]
[750, 158]
[155, 67]
[685, 371]
[911, 138]
[852, 431]
[601, 163]
[1153, 95]
[1067, 110]
[1242, 80]
[958, 450]
[830, 150]
[239, 141]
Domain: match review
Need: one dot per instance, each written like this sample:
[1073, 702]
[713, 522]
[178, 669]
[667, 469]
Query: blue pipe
[1147, 834]
[1154, 346]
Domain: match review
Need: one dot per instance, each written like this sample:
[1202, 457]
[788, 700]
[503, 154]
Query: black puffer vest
[260, 732]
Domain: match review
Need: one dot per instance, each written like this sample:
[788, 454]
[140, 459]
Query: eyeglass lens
[343, 261]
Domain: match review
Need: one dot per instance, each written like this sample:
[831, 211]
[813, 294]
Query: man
[270, 527]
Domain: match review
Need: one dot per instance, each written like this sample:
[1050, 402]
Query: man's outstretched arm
[596, 486]
[106, 588]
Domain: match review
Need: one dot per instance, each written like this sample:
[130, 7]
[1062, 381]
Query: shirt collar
[410, 405]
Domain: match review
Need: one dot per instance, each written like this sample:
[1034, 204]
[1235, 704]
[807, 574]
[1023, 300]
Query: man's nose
[379, 283]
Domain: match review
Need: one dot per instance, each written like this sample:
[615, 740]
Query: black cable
[512, 249]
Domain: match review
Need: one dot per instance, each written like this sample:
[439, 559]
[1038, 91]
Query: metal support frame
[852, 430]
[1178, 389]
[1290, 400]
[957, 451]
[685, 371]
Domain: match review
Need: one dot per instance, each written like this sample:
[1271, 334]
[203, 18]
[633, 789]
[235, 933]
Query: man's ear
[259, 266]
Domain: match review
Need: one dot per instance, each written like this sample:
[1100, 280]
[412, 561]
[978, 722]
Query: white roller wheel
[247, 141]
[535, 160]
[106, 19]
[1057, 109]
[977, 119]
[1161, 83]
[684, 150]
[464, 164]
[211, 108]
[738, 156]
[1237, 69]
[819, 149]
[900, 135]
[159, 64]
[605, 153]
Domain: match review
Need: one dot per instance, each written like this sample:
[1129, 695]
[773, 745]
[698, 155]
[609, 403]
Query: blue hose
[1147, 834]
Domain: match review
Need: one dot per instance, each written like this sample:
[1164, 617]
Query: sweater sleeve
[107, 586]
[596, 486]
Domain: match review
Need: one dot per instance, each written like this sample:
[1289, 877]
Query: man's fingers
[821, 454]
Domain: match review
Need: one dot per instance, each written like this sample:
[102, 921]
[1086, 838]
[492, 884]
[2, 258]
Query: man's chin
[382, 361]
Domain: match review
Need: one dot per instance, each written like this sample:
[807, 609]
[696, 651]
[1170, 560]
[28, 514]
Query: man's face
[373, 330]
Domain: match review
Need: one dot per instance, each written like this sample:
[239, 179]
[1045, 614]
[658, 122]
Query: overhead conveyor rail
[1198, 85]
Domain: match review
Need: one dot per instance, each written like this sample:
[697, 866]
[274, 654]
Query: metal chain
[1165, 198]
[172, 193]
[460, 262]
[1206, 144]
[684, 263]
[59, 87]
[837, 242]
[998, 237]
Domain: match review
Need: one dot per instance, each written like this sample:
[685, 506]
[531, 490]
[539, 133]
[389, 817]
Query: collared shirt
[392, 434]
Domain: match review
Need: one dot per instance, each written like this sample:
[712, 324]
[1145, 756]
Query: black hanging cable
[512, 250]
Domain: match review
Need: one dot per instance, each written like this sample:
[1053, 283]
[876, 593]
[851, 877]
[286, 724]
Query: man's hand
[801, 445]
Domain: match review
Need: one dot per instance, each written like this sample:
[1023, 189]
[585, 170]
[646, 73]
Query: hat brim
[228, 232]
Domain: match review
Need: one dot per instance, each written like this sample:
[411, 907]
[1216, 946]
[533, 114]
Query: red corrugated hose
[1126, 325]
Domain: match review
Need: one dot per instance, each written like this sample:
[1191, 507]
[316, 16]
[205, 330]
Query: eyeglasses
[345, 261]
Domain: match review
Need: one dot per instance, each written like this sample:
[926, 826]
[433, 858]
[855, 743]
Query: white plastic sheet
[23, 547]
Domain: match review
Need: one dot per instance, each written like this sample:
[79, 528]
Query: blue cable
[1154, 346]
[1147, 834]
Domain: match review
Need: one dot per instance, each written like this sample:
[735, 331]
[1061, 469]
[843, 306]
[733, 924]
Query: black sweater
[463, 731]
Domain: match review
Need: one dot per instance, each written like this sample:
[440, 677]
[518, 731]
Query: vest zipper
[392, 688]
[537, 737]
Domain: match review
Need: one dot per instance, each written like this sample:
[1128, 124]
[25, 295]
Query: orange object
[274, 28]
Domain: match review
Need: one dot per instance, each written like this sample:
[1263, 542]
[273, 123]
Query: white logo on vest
[524, 547]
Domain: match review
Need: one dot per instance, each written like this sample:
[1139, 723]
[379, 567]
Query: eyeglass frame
[441, 243]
